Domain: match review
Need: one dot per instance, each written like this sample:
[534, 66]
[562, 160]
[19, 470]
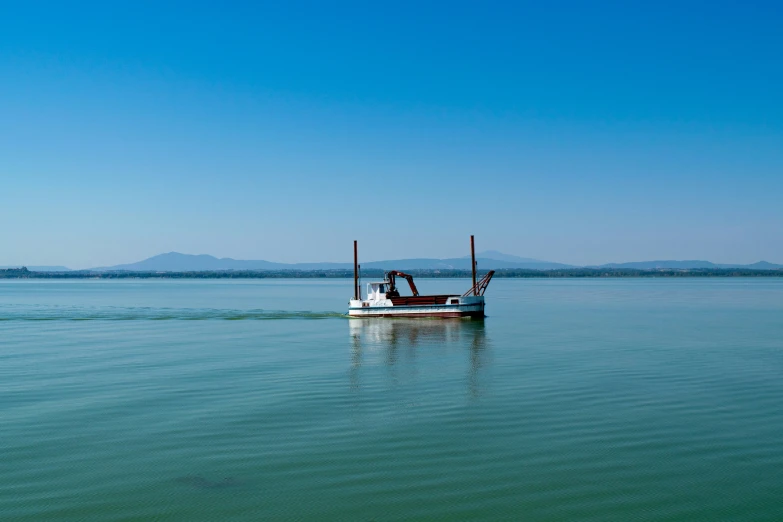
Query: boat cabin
[376, 291]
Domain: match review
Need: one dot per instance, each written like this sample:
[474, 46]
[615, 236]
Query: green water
[257, 400]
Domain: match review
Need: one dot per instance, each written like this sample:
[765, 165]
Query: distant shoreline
[23, 273]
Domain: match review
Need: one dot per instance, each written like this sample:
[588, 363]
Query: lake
[616, 399]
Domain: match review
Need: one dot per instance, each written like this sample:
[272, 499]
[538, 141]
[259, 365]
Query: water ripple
[572, 401]
[116, 313]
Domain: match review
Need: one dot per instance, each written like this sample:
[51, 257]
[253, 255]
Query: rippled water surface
[258, 400]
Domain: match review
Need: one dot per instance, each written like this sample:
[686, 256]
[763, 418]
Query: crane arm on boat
[393, 292]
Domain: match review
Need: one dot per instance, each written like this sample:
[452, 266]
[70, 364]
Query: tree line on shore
[24, 273]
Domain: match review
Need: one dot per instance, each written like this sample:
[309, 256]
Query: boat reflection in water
[408, 346]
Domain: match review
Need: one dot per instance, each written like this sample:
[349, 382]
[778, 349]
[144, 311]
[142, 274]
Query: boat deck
[421, 300]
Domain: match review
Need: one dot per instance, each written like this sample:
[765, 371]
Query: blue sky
[579, 132]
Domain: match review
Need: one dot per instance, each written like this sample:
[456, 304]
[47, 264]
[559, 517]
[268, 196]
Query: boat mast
[473, 264]
[356, 272]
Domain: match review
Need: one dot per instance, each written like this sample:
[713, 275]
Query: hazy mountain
[763, 265]
[649, 265]
[176, 262]
[500, 256]
[42, 268]
[689, 265]
[463, 263]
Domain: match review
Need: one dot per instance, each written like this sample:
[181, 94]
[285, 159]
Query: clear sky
[578, 132]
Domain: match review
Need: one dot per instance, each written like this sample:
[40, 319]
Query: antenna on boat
[356, 294]
[473, 264]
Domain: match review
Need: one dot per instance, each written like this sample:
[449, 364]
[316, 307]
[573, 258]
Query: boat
[383, 298]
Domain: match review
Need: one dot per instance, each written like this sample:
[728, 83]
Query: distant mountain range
[695, 264]
[176, 262]
[490, 259]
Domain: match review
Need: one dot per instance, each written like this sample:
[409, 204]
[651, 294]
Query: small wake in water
[55, 313]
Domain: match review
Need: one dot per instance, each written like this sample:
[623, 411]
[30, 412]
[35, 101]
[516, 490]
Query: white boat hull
[471, 306]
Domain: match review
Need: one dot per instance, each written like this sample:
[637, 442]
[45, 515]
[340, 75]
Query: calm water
[251, 400]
